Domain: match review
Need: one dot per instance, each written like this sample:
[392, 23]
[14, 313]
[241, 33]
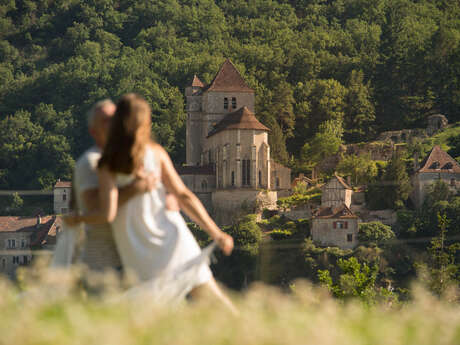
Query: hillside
[347, 69]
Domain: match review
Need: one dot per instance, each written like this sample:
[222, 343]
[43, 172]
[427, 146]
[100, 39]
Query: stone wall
[422, 182]
[324, 234]
[280, 176]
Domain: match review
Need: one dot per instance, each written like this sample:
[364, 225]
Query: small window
[234, 102]
[277, 182]
[435, 165]
[260, 178]
[233, 178]
[448, 166]
[225, 103]
[23, 243]
[25, 260]
[3, 263]
[15, 260]
[11, 244]
[64, 197]
[349, 237]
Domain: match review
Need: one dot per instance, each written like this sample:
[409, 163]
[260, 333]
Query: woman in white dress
[151, 240]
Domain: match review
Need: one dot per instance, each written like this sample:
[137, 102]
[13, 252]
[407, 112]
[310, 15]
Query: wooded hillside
[345, 69]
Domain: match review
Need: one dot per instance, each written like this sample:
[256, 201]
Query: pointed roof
[439, 161]
[243, 118]
[228, 79]
[341, 181]
[197, 82]
[342, 211]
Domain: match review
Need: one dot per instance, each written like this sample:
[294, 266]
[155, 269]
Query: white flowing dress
[156, 244]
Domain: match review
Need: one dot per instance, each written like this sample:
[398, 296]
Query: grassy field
[56, 310]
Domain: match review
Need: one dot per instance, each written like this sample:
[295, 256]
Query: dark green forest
[346, 69]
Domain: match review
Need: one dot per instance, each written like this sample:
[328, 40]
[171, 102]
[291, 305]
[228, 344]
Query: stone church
[228, 161]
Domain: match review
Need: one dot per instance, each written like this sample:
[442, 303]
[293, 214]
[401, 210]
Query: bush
[280, 234]
[375, 233]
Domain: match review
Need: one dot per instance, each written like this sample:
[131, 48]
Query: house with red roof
[227, 153]
[61, 196]
[22, 238]
[437, 165]
[335, 226]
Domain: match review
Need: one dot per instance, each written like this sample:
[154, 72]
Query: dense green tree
[375, 233]
[361, 168]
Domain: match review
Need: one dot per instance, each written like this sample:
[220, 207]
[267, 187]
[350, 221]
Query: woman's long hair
[128, 136]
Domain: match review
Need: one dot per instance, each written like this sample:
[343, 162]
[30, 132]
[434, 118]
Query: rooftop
[197, 82]
[243, 118]
[63, 184]
[341, 212]
[42, 233]
[439, 161]
[228, 79]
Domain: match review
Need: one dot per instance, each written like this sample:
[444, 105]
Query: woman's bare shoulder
[157, 149]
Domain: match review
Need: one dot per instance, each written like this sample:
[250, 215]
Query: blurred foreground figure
[99, 249]
[153, 242]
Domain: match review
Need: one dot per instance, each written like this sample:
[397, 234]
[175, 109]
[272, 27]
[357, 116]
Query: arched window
[246, 172]
[234, 102]
[204, 185]
[233, 178]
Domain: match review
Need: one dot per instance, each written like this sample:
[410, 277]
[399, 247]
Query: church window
[260, 178]
[246, 172]
[225, 103]
[234, 102]
[349, 237]
[233, 178]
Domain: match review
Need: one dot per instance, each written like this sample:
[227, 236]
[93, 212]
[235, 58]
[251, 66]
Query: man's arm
[140, 185]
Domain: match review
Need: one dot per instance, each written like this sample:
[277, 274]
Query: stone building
[228, 158]
[61, 196]
[335, 226]
[19, 236]
[438, 165]
[336, 192]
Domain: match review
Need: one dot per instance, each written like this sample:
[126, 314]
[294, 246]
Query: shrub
[280, 234]
[375, 232]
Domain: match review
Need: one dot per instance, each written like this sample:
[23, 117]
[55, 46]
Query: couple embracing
[134, 175]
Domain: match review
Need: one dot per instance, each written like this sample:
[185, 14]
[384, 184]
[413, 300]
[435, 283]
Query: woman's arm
[188, 202]
[108, 202]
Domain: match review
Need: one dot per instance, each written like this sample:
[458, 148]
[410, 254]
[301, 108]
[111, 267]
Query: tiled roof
[196, 170]
[63, 184]
[243, 118]
[228, 79]
[43, 233]
[197, 82]
[341, 211]
[439, 161]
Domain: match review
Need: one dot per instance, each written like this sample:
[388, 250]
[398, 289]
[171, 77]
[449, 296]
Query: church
[228, 161]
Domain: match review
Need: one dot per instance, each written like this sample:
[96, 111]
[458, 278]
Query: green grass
[442, 138]
[49, 314]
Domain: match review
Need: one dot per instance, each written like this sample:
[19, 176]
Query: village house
[335, 226]
[61, 196]
[336, 192]
[438, 165]
[228, 159]
[21, 236]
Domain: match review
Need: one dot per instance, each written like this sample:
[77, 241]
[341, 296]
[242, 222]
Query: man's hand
[145, 182]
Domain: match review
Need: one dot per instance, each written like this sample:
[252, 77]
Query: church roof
[341, 211]
[197, 82]
[228, 79]
[439, 161]
[243, 118]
